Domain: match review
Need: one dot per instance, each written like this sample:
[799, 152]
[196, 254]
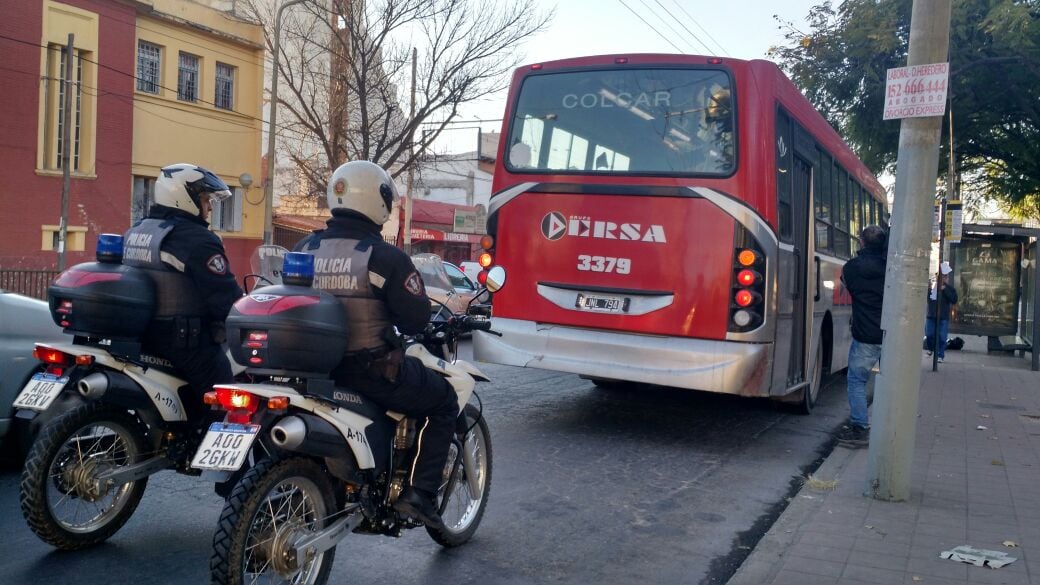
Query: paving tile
[937, 567]
[823, 553]
[785, 577]
[871, 574]
[879, 560]
[880, 546]
[811, 537]
[813, 566]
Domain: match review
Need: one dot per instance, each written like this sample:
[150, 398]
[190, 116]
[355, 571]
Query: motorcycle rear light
[487, 242]
[210, 399]
[84, 360]
[257, 336]
[52, 356]
[64, 308]
[484, 260]
[256, 360]
[278, 402]
[621, 60]
[235, 399]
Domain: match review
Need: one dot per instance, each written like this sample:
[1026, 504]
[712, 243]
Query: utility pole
[898, 385]
[411, 165]
[66, 154]
[272, 156]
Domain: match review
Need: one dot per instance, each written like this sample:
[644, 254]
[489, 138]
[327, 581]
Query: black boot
[417, 504]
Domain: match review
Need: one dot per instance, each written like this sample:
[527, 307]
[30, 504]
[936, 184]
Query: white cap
[945, 268]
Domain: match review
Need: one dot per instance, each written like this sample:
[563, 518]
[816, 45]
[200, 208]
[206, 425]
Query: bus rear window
[639, 121]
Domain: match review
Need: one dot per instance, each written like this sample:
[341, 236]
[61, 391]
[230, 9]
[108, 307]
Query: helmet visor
[217, 196]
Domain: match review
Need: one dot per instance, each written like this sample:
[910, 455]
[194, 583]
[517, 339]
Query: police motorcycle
[109, 415]
[328, 461]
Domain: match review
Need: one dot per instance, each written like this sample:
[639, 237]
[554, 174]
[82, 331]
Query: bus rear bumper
[728, 367]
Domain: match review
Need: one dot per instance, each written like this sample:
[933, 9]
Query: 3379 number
[588, 263]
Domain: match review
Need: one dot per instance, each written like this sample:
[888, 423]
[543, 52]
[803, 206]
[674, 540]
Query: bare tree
[346, 73]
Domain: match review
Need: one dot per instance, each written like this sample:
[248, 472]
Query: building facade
[154, 82]
[33, 36]
[198, 98]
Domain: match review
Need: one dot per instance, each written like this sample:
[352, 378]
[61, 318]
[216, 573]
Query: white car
[470, 269]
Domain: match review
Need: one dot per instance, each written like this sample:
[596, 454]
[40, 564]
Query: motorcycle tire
[59, 471]
[461, 509]
[256, 506]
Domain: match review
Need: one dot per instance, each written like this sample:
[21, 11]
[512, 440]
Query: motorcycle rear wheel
[461, 509]
[58, 486]
[274, 496]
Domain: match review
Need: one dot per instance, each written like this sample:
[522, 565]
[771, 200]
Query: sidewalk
[971, 485]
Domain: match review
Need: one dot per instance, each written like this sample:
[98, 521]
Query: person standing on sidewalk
[864, 278]
[946, 296]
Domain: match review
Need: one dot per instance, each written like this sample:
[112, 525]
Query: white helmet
[181, 185]
[364, 187]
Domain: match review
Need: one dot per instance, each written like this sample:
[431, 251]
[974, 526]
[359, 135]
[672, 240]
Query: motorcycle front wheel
[275, 503]
[62, 500]
[464, 492]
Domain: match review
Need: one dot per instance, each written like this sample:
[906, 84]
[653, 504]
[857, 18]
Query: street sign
[918, 91]
[936, 217]
[954, 219]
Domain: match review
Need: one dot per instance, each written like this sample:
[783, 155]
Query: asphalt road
[589, 486]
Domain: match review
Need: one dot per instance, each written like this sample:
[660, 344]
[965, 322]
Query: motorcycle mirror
[496, 279]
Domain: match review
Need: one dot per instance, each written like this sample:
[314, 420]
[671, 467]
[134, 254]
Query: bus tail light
[747, 304]
[486, 259]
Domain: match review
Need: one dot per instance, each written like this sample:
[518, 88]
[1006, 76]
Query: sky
[743, 29]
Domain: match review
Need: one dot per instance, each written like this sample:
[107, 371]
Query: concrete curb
[766, 560]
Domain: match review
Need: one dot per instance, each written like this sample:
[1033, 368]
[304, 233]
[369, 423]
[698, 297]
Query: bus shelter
[996, 277]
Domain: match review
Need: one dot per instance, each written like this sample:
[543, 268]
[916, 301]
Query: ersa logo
[555, 226]
[262, 298]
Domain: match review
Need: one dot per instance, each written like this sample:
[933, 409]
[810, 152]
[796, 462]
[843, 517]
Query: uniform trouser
[201, 367]
[419, 393]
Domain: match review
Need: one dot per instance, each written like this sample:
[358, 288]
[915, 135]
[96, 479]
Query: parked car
[23, 322]
[470, 269]
[463, 284]
[438, 285]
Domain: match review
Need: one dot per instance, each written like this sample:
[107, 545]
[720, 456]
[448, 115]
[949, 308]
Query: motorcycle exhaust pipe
[310, 435]
[93, 386]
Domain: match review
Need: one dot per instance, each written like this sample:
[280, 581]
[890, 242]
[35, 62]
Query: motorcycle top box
[287, 330]
[103, 299]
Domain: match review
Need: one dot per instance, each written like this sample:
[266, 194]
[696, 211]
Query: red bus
[675, 220]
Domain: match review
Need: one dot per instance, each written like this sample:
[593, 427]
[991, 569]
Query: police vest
[341, 269]
[175, 292]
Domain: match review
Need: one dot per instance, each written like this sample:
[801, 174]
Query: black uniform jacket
[408, 304]
[205, 262]
[864, 278]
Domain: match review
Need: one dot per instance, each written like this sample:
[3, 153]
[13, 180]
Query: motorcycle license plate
[225, 446]
[602, 304]
[41, 390]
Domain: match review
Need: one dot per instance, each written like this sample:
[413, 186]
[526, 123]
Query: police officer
[194, 285]
[381, 289]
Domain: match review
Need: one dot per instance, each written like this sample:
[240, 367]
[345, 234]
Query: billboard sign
[986, 276]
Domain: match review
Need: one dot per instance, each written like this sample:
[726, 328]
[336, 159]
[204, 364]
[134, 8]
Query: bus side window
[822, 198]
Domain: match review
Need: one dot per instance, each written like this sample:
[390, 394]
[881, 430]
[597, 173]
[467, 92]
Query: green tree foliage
[840, 64]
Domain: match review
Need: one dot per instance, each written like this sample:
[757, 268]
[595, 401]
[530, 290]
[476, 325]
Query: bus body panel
[701, 364]
[622, 247]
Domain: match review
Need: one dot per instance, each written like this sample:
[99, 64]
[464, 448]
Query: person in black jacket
[195, 287]
[864, 278]
[381, 289]
[946, 295]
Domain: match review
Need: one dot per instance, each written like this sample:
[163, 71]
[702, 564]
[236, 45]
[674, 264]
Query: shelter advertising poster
[986, 276]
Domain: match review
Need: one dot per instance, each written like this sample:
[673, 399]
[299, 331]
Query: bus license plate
[602, 304]
[225, 446]
[41, 390]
